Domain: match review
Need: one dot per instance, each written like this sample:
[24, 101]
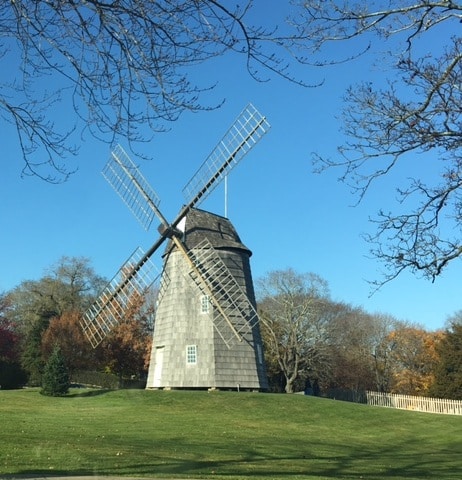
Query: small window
[259, 354]
[191, 354]
[205, 304]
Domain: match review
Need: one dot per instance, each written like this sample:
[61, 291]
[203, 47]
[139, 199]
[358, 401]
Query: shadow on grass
[47, 474]
[301, 460]
[87, 393]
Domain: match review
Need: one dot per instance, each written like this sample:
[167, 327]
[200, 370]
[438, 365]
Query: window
[191, 354]
[259, 354]
[205, 304]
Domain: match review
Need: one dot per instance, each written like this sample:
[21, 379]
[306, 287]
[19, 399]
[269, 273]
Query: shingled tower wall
[187, 350]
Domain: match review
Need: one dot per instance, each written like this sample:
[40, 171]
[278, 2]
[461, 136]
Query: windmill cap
[219, 231]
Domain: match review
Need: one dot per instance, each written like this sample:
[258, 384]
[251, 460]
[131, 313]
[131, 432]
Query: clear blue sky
[287, 215]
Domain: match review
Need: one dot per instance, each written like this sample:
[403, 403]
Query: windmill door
[158, 367]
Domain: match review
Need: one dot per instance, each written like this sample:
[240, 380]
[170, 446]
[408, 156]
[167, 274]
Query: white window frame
[205, 304]
[191, 354]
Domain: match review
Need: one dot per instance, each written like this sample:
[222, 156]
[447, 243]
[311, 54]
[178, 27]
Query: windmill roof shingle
[219, 231]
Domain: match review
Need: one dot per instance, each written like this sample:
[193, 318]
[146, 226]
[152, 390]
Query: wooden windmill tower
[206, 331]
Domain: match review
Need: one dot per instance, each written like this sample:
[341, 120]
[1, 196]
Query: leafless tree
[119, 68]
[417, 117]
[352, 349]
[454, 319]
[293, 327]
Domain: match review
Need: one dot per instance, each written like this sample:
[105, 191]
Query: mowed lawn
[227, 435]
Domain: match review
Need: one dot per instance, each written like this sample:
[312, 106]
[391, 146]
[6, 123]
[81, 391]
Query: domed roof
[219, 231]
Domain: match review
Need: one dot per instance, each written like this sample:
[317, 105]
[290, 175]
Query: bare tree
[120, 67]
[353, 342]
[292, 327]
[416, 117]
[69, 285]
[454, 319]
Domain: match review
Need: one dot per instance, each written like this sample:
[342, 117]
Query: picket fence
[410, 402]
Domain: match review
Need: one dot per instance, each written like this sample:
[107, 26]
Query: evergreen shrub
[55, 379]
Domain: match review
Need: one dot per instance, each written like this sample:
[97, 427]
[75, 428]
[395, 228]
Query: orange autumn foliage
[413, 357]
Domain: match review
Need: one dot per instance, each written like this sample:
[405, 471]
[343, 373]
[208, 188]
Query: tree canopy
[68, 286]
[448, 371]
[309, 339]
[11, 373]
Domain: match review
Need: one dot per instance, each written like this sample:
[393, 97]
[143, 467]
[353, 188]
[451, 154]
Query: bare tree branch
[416, 118]
[328, 21]
[122, 67]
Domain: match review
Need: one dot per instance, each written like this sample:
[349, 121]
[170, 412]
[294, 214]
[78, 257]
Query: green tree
[448, 371]
[414, 115]
[31, 355]
[55, 382]
[69, 285]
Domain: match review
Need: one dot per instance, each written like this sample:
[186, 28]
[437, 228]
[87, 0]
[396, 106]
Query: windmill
[206, 331]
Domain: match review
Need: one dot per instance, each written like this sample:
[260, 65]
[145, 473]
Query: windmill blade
[209, 272]
[125, 178]
[238, 315]
[133, 279]
[245, 132]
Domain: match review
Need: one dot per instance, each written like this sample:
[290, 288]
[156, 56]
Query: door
[157, 381]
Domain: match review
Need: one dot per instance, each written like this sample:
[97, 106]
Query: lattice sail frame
[125, 178]
[235, 316]
[246, 131]
[117, 296]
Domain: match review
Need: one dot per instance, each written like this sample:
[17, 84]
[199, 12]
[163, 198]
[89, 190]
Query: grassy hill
[184, 434]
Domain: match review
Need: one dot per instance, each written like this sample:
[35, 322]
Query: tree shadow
[303, 460]
[75, 393]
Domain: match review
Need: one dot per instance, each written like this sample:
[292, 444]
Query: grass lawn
[222, 435]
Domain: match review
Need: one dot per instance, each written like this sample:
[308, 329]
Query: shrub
[11, 375]
[55, 380]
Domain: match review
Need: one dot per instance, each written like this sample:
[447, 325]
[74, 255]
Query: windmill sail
[127, 181]
[117, 296]
[237, 315]
[246, 131]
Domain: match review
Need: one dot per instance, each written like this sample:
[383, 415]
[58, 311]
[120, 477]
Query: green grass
[222, 435]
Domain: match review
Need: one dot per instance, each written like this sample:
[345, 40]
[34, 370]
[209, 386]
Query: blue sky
[286, 214]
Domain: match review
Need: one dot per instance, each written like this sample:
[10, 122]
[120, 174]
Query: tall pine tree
[55, 380]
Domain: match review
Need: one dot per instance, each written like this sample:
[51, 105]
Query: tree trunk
[289, 385]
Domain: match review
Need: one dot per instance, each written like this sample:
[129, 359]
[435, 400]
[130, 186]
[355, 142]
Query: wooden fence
[419, 404]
